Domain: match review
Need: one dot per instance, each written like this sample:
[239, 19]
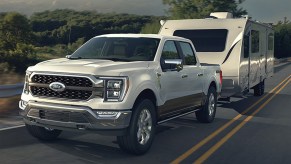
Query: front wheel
[141, 130]
[45, 134]
[207, 113]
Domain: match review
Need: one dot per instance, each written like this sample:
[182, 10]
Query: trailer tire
[42, 133]
[207, 113]
[141, 130]
[259, 89]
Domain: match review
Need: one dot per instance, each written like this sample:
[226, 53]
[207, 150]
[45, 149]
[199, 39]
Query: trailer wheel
[207, 113]
[42, 133]
[141, 131]
[259, 89]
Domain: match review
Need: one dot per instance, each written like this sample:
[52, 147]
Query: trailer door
[263, 53]
[245, 75]
[270, 53]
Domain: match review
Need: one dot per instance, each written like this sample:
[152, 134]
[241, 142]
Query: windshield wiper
[116, 59]
[74, 58]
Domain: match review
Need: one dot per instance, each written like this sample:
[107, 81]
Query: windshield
[118, 49]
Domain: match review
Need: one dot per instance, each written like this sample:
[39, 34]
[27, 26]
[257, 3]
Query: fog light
[107, 114]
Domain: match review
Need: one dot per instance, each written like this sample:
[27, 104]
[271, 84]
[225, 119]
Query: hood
[89, 66]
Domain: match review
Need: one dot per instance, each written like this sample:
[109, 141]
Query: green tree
[151, 28]
[16, 40]
[185, 9]
[15, 28]
[67, 26]
[282, 39]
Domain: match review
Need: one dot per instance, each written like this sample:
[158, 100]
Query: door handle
[184, 76]
[200, 74]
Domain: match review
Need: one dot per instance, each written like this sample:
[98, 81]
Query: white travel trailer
[243, 47]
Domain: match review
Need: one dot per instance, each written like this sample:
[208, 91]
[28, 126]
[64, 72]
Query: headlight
[26, 83]
[115, 88]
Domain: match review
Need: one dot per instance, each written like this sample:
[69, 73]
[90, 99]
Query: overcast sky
[262, 10]
[268, 10]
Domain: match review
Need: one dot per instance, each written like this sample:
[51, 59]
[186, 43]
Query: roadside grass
[9, 106]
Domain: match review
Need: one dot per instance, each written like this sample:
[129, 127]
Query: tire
[141, 129]
[208, 111]
[42, 133]
[259, 89]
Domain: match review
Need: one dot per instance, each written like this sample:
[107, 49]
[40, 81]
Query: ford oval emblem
[57, 86]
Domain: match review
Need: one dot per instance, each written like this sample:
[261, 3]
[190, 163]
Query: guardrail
[11, 90]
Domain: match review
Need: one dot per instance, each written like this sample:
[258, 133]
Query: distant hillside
[149, 7]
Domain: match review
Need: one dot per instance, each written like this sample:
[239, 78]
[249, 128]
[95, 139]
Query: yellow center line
[218, 131]
[214, 148]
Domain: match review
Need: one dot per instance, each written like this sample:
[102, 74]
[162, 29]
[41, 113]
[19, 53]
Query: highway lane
[263, 139]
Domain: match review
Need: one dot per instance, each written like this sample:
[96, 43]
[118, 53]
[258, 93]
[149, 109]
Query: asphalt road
[246, 130]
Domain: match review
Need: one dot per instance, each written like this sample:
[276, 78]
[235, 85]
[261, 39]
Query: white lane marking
[12, 127]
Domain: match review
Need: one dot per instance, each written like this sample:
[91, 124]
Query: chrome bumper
[67, 117]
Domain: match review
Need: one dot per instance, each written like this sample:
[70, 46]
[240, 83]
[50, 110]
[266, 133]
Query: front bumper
[80, 118]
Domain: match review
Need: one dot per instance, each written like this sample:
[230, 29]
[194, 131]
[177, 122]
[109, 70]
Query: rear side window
[188, 53]
[208, 40]
[170, 51]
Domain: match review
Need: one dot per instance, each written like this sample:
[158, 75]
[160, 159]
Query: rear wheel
[45, 134]
[141, 130]
[207, 113]
[259, 89]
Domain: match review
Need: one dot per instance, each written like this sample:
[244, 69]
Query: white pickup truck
[122, 85]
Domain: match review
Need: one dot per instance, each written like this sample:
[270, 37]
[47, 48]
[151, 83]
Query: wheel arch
[213, 84]
[147, 94]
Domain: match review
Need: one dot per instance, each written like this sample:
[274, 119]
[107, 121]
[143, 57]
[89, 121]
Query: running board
[174, 117]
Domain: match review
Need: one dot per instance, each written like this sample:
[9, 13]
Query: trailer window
[255, 41]
[208, 40]
[246, 46]
[271, 42]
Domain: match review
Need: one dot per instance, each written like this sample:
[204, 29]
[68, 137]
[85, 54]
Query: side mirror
[174, 64]
[68, 56]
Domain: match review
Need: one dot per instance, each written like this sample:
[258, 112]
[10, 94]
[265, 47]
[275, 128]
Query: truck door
[174, 85]
[194, 72]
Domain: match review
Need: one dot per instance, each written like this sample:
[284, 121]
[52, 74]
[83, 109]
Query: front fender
[142, 82]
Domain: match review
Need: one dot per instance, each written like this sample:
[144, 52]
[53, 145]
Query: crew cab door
[194, 72]
[180, 89]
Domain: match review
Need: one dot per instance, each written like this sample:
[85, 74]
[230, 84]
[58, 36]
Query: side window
[247, 45]
[170, 51]
[271, 42]
[255, 41]
[188, 53]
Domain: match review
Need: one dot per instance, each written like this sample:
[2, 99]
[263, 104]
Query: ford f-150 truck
[122, 85]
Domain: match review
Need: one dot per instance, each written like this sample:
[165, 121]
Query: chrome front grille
[67, 80]
[76, 88]
[62, 116]
[67, 94]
